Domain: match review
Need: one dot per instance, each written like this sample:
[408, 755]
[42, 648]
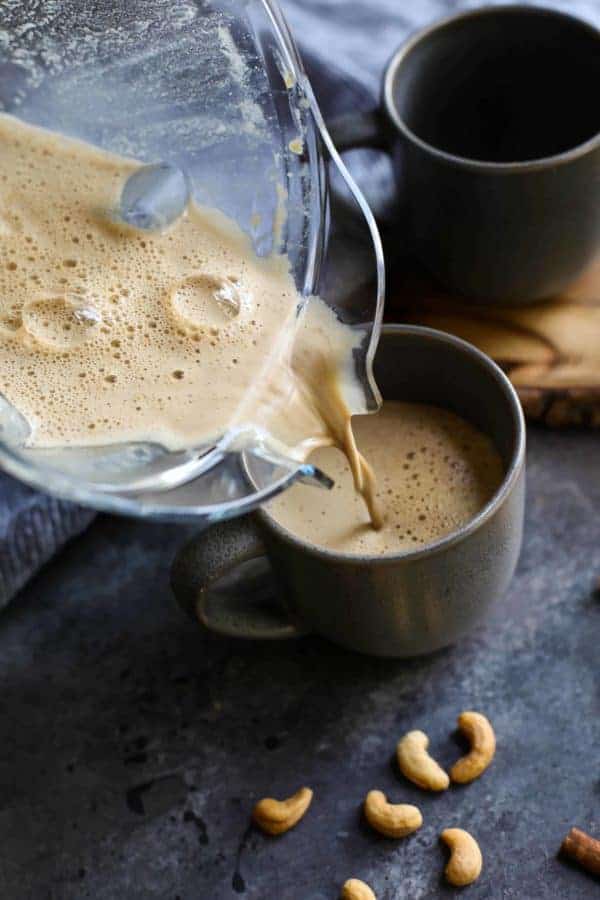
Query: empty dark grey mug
[493, 119]
[252, 578]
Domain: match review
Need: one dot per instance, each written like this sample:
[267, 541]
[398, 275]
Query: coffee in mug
[434, 472]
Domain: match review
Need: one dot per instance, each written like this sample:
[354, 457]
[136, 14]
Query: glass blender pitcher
[211, 96]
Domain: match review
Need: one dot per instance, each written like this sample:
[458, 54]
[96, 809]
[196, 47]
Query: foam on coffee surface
[435, 471]
[112, 333]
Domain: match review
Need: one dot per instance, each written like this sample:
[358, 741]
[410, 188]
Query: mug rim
[459, 535]
[466, 162]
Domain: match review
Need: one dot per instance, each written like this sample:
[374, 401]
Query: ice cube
[87, 315]
[228, 297]
[154, 197]
[14, 428]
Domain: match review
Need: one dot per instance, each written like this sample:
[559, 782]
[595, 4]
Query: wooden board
[550, 350]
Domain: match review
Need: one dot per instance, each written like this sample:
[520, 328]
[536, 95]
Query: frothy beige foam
[110, 334]
[435, 471]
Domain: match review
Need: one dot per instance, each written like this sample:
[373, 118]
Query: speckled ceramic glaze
[398, 605]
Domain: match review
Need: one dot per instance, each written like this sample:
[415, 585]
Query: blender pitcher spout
[352, 209]
[344, 262]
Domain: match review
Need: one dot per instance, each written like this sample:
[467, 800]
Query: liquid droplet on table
[154, 197]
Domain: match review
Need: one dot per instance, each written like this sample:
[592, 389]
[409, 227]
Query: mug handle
[248, 609]
[364, 129]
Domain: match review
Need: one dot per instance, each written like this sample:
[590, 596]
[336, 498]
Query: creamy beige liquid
[111, 334]
[435, 471]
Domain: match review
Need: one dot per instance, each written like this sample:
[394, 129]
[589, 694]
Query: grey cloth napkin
[33, 527]
[351, 40]
[345, 45]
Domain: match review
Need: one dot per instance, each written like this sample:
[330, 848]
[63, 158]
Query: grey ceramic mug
[493, 121]
[398, 605]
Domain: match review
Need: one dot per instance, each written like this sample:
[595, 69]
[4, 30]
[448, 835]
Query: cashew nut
[392, 820]
[417, 765]
[465, 863]
[357, 890]
[277, 816]
[483, 746]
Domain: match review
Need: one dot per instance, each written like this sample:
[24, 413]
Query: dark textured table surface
[134, 746]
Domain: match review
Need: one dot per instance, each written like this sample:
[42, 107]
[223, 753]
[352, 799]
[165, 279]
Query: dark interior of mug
[503, 85]
[419, 365]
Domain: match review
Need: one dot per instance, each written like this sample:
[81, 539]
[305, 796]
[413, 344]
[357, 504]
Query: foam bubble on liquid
[204, 301]
[56, 325]
[10, 324]
[5, 224]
